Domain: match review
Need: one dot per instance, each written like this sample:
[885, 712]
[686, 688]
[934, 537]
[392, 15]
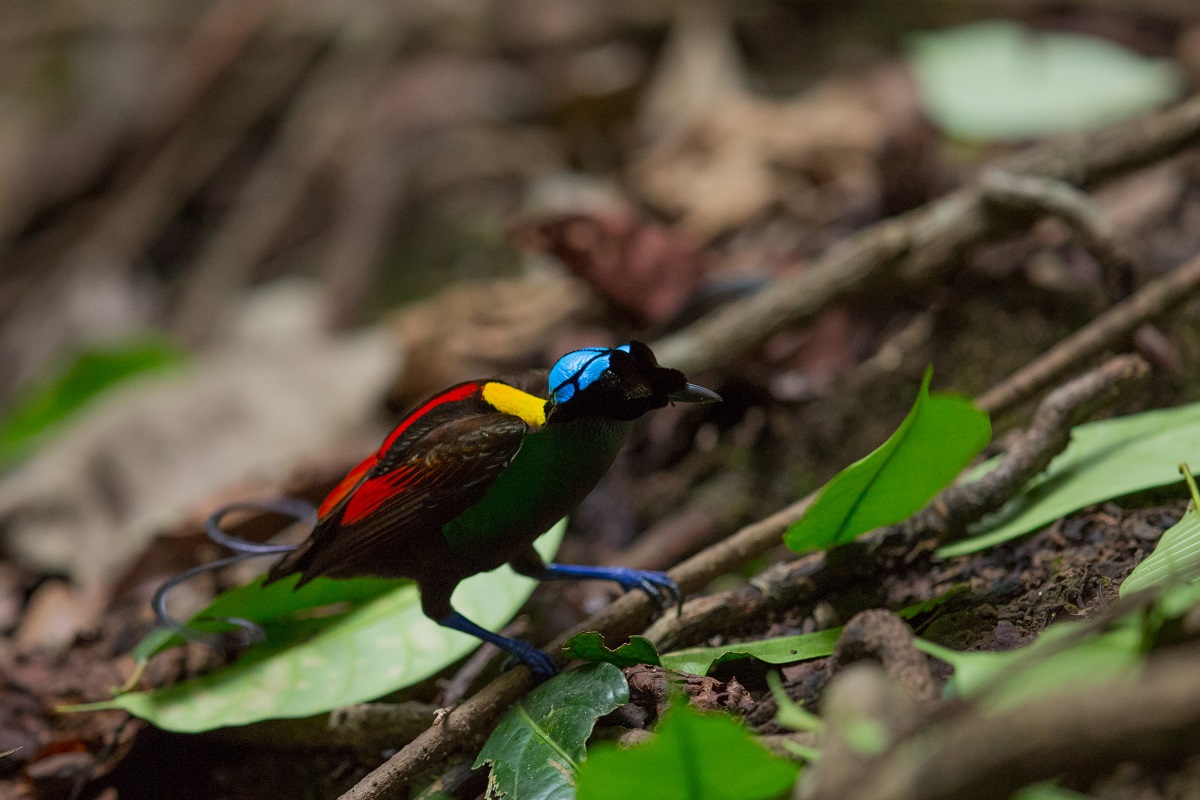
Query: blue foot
[661, 588]
[540, 664]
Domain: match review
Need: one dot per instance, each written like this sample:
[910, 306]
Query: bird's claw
[661, 587]
[541, 665]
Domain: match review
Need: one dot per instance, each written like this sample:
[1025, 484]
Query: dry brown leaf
[644, 269]
[279, 393]
[57, 613]
[717, 155]
[484, 328]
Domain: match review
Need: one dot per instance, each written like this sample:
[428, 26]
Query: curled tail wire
[299, 510]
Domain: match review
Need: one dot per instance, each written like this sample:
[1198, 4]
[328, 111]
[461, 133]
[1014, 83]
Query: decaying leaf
[480, 329]
[275, 394]
[718, 155]
[644, 269]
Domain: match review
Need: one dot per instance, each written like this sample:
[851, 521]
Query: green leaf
[695, 756]
[273, 607]
[590, 646]
[1065, 656]
[994, 80]
[788, 712]
[1044, 667]
[536, 749]
[1176, 558]
[84, 376]
[866, 737]
[937, 601]
[1105, 459]
[779, 650]
[1047, 790]
[307, 666]
[938, 438]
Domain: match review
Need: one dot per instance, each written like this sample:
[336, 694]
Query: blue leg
[658, 585]
[540, 664]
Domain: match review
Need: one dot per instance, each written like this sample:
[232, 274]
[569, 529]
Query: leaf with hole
[590, 646]
[777, 650]
[309, 664]
[536, 749]
[693, 756]
[1105, 460]
[938, 438]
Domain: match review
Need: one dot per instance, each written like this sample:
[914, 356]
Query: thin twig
[1033, 194]
[1110, 328]
[948, 516]
[318, 122]
[916, 247]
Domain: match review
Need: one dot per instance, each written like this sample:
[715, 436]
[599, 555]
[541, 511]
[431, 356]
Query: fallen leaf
[479, 329]
[644, 269]
[275, 394]
[717, 155]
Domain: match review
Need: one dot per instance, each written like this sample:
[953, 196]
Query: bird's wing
[400, 500]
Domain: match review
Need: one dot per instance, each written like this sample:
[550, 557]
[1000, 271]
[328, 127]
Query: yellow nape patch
[503, 397]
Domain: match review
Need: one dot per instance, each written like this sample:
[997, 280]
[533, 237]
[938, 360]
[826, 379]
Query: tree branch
[916, 247]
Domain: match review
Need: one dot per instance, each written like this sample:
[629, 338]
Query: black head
[616, 383]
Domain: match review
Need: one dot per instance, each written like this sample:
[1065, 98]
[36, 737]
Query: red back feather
[375, 492]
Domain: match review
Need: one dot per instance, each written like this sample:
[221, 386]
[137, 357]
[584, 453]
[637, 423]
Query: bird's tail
[300, 510]
[295, 561]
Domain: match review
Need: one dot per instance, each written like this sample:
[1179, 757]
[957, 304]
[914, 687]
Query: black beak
[695, 394]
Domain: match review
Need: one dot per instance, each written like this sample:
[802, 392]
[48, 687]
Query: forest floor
[313, 219]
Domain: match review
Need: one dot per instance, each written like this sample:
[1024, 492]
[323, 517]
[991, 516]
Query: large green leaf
[1105, 459]
[536, 749]
[779, 650]
[85, 375]
[695, 756]
[993, 80]
[307, 666]
[938, 438]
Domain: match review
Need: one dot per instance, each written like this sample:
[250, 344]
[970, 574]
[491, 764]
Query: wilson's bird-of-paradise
[472, 476]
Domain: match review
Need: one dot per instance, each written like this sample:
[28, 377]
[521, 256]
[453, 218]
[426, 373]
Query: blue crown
[576, 371]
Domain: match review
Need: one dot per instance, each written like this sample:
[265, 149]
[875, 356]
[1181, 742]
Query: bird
[469, 478]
